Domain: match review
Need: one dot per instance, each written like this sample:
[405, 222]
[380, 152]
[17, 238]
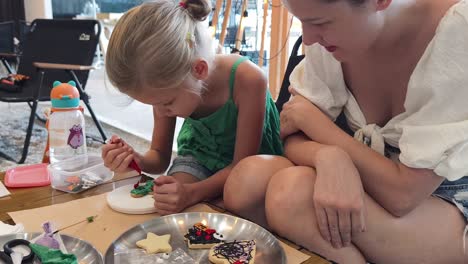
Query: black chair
[294, 60]
[54, 50]
[7, 45]
[284, 94]
[23, 29]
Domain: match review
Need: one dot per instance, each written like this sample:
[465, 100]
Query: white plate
[122, 201]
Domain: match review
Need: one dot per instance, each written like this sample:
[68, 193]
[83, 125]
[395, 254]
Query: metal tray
[269, 250]
[84, 251]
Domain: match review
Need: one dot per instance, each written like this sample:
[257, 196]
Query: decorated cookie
[237, 252]
[200, 236]
[143, 189]
[155, 244]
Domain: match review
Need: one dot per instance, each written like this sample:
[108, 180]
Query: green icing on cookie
[145, 189]
[52, 256]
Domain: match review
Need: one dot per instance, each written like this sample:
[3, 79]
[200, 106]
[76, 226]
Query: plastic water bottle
[66, 124]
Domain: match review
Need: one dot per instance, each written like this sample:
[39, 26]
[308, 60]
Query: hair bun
[198, 9]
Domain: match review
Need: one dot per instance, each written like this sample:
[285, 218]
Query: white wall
[37, 9]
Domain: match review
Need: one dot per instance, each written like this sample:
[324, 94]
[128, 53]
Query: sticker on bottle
[76, 137]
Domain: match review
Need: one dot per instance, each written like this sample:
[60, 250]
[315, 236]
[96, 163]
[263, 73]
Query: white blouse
[432, 133]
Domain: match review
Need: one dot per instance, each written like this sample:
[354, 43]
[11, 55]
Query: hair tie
[183, 5]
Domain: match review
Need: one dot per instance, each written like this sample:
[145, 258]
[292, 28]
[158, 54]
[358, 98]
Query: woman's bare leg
[290, 212]
[432, 233]
[245, 188]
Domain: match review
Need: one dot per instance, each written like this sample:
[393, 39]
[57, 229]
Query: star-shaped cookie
[155, 244]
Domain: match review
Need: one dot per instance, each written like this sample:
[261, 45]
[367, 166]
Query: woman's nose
[310, 35]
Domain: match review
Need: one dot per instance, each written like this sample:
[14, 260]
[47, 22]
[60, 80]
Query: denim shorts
[455, 192]
[190, 165]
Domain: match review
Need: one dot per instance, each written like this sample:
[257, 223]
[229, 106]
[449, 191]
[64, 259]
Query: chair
[284, 94]
[7, 45]
[294, 60]
[54, 50]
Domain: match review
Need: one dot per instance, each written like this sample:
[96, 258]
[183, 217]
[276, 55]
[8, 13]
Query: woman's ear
[200, 69]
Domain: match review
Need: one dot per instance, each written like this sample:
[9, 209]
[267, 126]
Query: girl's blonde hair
[154, 44]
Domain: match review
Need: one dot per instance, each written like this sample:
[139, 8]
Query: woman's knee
[290, 190]
[248, 180]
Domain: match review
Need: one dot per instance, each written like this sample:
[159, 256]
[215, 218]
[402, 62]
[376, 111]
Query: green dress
[211, 139]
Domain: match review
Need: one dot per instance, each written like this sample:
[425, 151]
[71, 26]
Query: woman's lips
[331, 48]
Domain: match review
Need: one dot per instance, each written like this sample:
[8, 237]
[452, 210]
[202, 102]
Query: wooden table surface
[30, 198]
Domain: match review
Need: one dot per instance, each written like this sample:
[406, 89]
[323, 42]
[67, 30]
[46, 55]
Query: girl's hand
[338, 197]
[117, 154]
[291, 115]
[170, 195]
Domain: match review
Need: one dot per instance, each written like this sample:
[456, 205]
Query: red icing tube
[132, 164]
[135, 166]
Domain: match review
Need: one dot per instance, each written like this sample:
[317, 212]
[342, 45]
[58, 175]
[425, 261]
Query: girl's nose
[162, 110]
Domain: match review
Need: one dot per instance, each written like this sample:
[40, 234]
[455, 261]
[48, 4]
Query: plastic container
[27, 176]
[79, 173]
[66, 124]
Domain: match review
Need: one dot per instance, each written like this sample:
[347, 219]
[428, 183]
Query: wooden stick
[275, 47]
[214, 21]
[227, 13]
[262, 43]
[88, 219]
[240, 29]
[286, 17]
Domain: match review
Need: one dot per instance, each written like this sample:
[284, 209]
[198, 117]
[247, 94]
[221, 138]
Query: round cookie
[236, 252]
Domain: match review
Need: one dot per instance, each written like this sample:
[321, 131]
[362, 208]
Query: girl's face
[342, 28]
[180, 101]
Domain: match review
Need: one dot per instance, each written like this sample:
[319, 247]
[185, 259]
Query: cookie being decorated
[142, 189]
[155, 244]
[237, 252]
[201, 237]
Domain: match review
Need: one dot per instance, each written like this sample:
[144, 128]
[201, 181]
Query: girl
[397, 194]
[160, 54]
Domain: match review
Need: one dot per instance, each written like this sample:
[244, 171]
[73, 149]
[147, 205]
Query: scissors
[8, 248]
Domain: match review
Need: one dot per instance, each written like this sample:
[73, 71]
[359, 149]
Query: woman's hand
[170, 195]
[292, 113]
[300, 114]
[117, 155]
[338, 197]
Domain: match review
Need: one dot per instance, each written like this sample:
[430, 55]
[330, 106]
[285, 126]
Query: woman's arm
[158, 157]
[249, 96]
[396, 187]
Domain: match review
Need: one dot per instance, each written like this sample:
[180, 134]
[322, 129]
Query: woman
[396, 192]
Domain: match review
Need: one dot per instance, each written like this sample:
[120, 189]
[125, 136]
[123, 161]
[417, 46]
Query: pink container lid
[28, 176]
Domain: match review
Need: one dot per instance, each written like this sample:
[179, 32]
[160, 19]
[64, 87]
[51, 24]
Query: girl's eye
[321, 24]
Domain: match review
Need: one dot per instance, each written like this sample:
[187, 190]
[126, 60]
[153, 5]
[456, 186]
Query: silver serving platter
[269, 250]
[84, 251]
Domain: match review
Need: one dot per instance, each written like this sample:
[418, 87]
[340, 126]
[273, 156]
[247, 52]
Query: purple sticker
[76, 138]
